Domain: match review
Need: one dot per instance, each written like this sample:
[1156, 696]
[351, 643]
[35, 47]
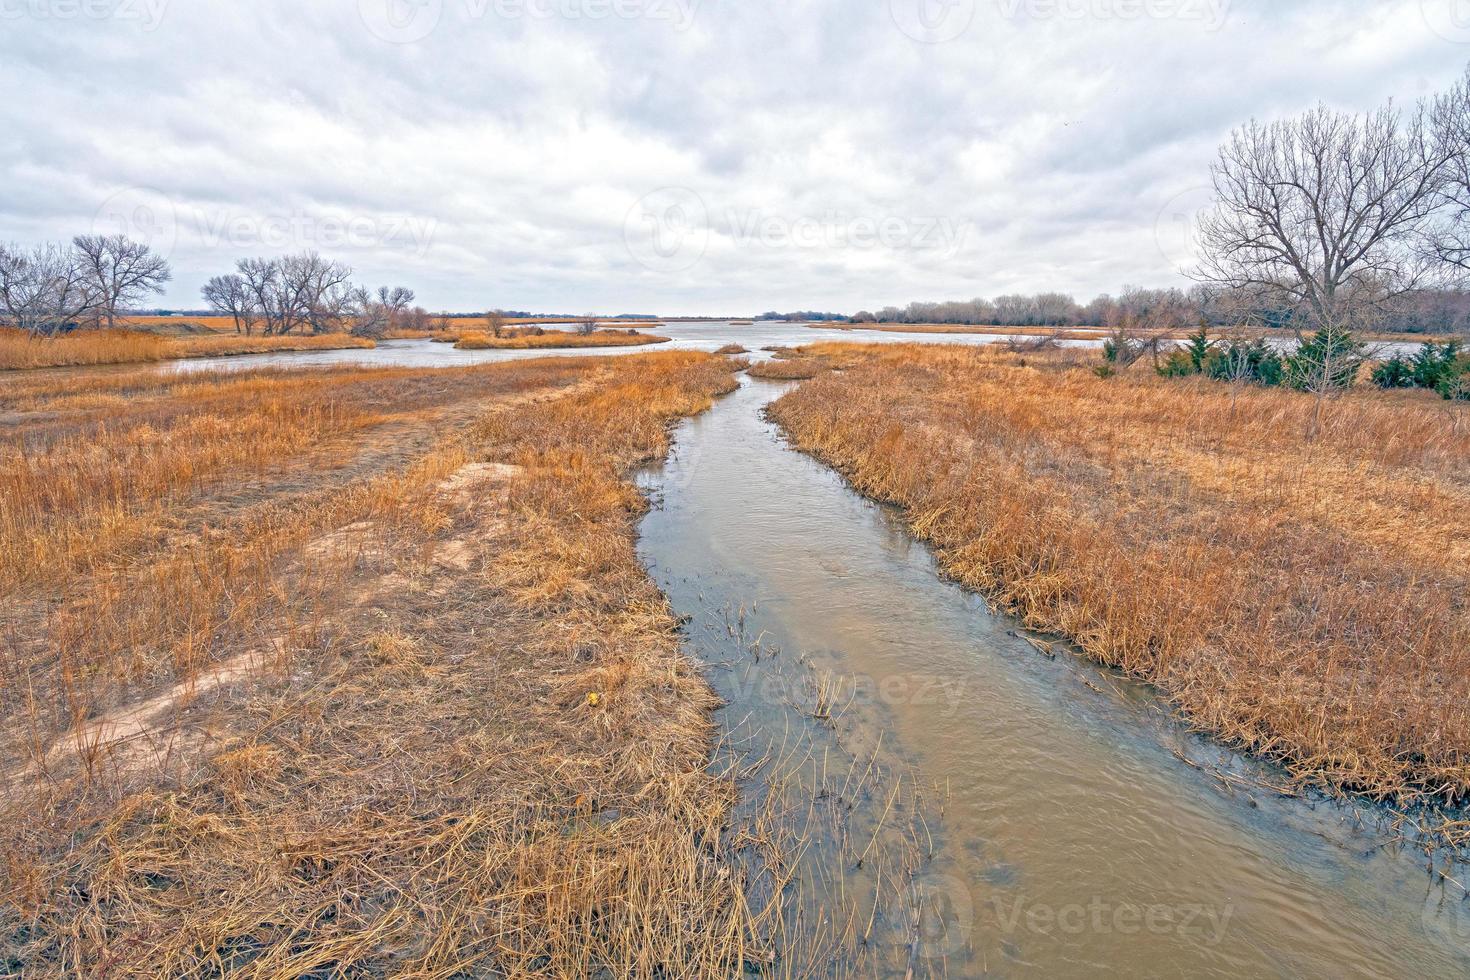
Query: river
[1069, 836]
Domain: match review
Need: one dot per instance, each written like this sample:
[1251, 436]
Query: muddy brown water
[1069, 839]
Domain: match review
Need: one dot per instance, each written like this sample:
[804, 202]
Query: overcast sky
[673, 156]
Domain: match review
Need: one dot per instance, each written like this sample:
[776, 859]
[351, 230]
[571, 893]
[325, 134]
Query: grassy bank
[19, 350]
[353, 672]
[1303, 598]
[557, 340]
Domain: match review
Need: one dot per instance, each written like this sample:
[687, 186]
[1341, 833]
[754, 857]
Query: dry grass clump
[19, 349]
[732, 350]
[1303, 597]
[803, 363]
[389, 694]
[555, 340]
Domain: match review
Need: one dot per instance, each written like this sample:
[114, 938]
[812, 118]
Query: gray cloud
[496, 151]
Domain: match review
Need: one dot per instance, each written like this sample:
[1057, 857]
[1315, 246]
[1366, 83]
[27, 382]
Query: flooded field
[689, 335]
[1041, 816]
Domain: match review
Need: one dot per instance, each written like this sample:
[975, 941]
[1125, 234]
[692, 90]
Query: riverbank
[89, 348]
[1300, 597]
[355, 671]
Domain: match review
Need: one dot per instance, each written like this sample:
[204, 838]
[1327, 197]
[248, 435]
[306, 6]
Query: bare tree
[587, 325]
[262, 281]
[121, 271]
[395, 303]
[416, 319]
[229, 295]
[302, 291]
[1325, 209]
[311, 287]
[45, 290]
[1324, 215]
[495, 322]
[1450, 237]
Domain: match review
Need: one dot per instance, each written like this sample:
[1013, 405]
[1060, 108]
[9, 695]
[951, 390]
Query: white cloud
[496, 159]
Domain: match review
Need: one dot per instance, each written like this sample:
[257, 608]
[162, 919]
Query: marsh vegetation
[1293, 583]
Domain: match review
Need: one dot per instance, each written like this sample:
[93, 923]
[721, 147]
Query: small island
[536, 338]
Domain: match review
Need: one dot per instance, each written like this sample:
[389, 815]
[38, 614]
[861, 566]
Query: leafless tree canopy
[306, 293]
[1326, 212]
[121, 272]
[45, 290]
[230, 295]
[1450, 236]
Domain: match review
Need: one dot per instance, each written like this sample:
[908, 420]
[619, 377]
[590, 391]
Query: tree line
[307, 293]
[52, 288]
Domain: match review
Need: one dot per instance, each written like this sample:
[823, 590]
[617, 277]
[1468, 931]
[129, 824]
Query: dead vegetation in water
[1303, 597]
[357, 673]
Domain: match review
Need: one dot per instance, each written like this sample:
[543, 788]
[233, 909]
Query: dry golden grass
[220, 324]
[557, 340]
[355, 672]
[223, 346]
[19, 349]
[96, 347]
[1305, 598]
